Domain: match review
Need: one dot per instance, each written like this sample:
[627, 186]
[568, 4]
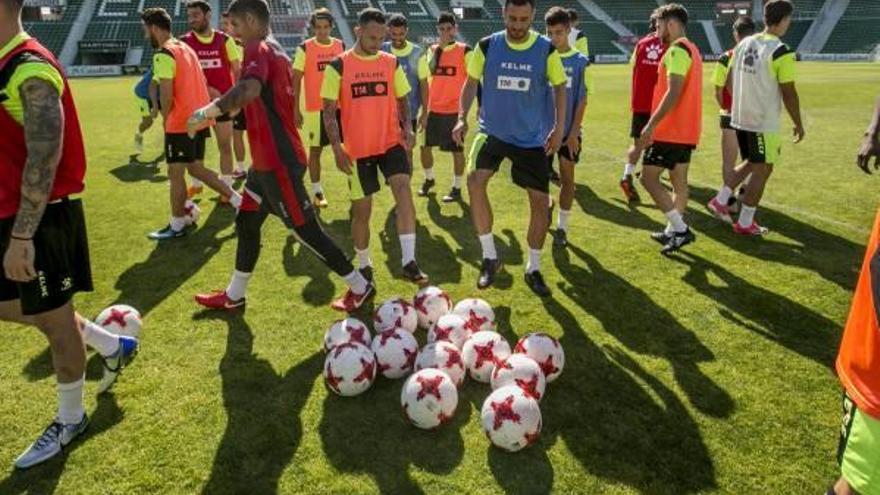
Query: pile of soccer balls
[461, 341]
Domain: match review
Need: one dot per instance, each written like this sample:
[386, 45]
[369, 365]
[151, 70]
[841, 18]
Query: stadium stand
[53, 33]
[856, 32]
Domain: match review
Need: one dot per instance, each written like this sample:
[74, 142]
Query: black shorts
[279, 192]
[639, 121]
[759, 147]
[239, 123]
[530, 167]
[62, 259]
[223, 118]
[667, 155]
[438, 131]
[180, 148]
[725, 122]
[565, 153]
[365, 182]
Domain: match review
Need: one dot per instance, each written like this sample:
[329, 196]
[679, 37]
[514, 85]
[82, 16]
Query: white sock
[534, 263]
[356, 282]
[238, 285]
[456, 181]
[70, 402]
[723, 195]
[363, 257]
[488, 243]
[138, 135]
[429, 173]
[178, 223]
[676, 221]
[316, 188]
[99, 339]
[563, 219]
[227, 179]
[235, 200]
[628, 169]
[668, 230]
[747, 215]
[407, 247]
[195, 182]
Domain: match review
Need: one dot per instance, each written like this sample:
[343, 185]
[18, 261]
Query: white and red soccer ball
[396, 352]
[482, 352]
[431, 303]
[395, 313]
[477, 313]
[449, 328]
[191, 212]
[545, 350]
[521, 371]
[429, 398]
[511, 419]
[121, 319]
[346, 331]
[349, 369]
[445, 357]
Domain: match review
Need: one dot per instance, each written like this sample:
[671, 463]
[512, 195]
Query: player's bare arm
[793, 105]
[297, 84]
[670, 99]
[166, 97]
[554, 140]
[572, 140]
[423, 117]
[233, 101]
[404, 113]
[154, 98]
[331, 127]
[870, 147]
[468, 94]
[43, 122]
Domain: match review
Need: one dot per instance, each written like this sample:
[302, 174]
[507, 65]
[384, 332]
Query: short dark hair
[157, 16]
[519, 3]
[257, 8]
[446, 18]
[371, 14]
[572, 14]
[652, 22]
[556, 16]
[397, 20]
[202, 5]
[319, 14]
[16, 5]
[777, 10]
[744, 26]
[673, 11]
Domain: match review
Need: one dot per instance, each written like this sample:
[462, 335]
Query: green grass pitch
[707, 372]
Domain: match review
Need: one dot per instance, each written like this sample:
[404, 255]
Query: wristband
[17, 238]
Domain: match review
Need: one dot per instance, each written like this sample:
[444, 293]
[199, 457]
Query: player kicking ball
[521, 119]
[275, 180]
[365, 81]
[575, 63]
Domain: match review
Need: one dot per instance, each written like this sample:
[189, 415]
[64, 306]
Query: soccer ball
[522, 371]
[191, 212]
[482, 352]
[349, 369]
[545, 350]
[445, 357]
[431, 303]
[121, 319]
[396, 351]
[511, 419]
[345, 331]
[395, 313]
[449, 328]
[477, 314]
[429, 398]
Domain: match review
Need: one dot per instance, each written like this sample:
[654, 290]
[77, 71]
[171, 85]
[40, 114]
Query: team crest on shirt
[653, 53]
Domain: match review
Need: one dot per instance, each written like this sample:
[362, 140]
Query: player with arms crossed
[275, 180]
[517, 123]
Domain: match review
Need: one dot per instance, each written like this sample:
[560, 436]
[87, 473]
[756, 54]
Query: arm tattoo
[331, 126]
[43, 126]
[240, 95]
[403, 110]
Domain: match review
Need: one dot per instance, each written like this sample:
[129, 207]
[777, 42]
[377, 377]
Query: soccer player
[309, 62]
[577, 38]
[42, 227]
[645, 60]
[182, 90]
[762, 79]
[220, 59]
[519, 70]
[447, 66]
[673, 130]
[146, 91]
[575, 64]
[415, 66]
[239, 122]
[275, 180]
[366, 81]
[743, 27]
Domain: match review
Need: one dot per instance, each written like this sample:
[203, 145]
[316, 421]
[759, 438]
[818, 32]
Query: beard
[154, 42]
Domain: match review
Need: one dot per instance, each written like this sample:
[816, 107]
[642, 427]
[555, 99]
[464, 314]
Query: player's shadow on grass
[137, 171]
[433, 253]
[43, 479]
[263, 427]
[758, 310]
[622, 213]
[634, 319]
[368, 434]
[299, 260]
[832, 257]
